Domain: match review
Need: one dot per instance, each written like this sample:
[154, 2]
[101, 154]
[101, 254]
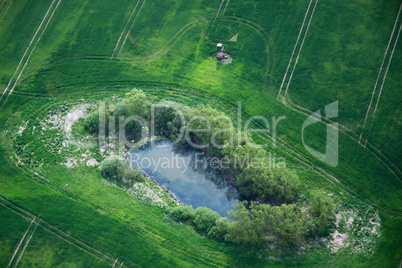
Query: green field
[63, 53]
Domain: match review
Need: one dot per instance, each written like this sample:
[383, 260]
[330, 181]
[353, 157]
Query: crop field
[290, 59]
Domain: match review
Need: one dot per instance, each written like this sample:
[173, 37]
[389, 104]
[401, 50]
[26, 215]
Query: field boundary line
[382, 85]
[22, 239]
[224, 10]
[300, 49]
[26, 244]
[294, 49]
[124, 29]
[33, 49]
[379, 73]
[217, 13]
[131, 26]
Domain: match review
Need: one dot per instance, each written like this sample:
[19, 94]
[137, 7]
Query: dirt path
[294, 49]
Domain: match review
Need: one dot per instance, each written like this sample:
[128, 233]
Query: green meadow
[60, 53]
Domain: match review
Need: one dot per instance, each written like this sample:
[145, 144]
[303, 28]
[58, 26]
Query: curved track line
[298, 55]
[131, 26]
[124, 29]
[294, 49]
[379, 73]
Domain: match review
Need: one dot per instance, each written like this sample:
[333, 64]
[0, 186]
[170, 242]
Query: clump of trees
[118, 169]
[258, 224]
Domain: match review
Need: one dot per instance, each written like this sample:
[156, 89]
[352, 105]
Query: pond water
[187, 175]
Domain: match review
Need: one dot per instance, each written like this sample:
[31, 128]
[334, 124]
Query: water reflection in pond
[187, 175]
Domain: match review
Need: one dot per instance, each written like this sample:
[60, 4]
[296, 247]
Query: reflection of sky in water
[199, 185]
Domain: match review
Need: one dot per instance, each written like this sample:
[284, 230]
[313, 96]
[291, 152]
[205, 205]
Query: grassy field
[96, 49]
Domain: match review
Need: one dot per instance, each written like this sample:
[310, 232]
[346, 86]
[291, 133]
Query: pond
[187, 174]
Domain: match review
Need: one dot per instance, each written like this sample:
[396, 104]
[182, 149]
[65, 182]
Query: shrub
[112, 167]
[131, 175]
[91, 123]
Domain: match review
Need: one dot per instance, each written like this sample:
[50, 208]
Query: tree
[323, 210]
[168, 122]
[220, 229]
[241, 153]
[204, 218]
[136, 103]
[242, 230]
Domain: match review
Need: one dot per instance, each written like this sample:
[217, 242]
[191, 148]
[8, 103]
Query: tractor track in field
[124, 29]
[382, 85]
[223, 13]
[4, 4]
[379, 74]
[294, 49]
[129, 29]
[300, 49]
[34, 41]
[345, 185]
[26, 243]
[20, 243]
[217, 13]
